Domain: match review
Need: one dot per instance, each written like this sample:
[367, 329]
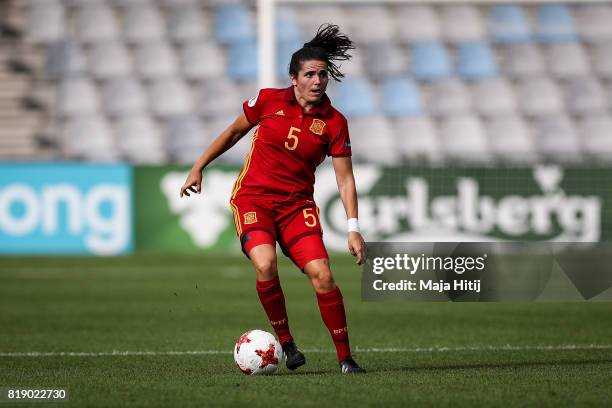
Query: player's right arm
[220, 145]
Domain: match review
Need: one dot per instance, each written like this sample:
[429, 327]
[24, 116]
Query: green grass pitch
[452, 354]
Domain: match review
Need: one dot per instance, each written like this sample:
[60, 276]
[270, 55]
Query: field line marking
[434, 349]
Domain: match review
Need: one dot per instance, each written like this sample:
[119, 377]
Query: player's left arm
[343, 167]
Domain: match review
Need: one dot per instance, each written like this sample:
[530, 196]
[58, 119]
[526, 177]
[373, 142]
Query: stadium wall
[87, 209]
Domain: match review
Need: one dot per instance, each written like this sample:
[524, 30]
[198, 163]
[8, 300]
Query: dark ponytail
[328, 45]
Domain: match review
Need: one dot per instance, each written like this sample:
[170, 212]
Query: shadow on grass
[306, 372]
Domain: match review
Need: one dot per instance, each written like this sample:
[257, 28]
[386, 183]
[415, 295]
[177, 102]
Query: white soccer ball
[257, 352]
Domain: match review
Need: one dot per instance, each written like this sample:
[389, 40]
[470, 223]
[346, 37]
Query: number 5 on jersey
[293, 139]
[310, 219]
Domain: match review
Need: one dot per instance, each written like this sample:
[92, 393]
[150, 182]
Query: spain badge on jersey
[250, 218]
[317, 126]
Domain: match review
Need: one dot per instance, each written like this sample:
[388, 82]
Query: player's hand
[193, 183]
[357, 247]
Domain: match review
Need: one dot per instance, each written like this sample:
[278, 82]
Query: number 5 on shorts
[309, 218]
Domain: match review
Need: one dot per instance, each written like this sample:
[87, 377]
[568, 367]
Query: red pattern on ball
[267, 357]
[243, 339]
[247, 371]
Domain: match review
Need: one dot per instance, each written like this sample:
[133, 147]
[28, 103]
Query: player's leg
[272, 299]
[331, 306]
[269, 289]
[301, 240]
[256, 229]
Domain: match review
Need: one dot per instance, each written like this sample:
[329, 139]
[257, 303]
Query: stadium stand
[462, 23]
[464, 139]
[467, 82]
[595, 130]
[417, 23]
[430, 61]
[448, 97]
[400, 97]
[508, 24]
[124, 96]
[355, 97]
[110, 59]
[417, 139]
[510, 139]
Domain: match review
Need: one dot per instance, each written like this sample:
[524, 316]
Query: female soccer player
[272, 199]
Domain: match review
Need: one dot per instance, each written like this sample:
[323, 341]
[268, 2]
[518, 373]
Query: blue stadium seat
[475, 60]
[355, 97]
[233, 23]
[243, 60]
[400, 97]
[555, 24]
[284, 51]
[508, 24]
[287, 29]
[429, 61]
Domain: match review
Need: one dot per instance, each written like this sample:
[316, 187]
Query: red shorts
[293, 223]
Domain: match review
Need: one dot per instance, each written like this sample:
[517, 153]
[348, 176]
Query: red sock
[273, 301]
[334, 317]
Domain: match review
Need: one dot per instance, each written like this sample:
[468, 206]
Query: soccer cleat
[294, 357]
[349, 366]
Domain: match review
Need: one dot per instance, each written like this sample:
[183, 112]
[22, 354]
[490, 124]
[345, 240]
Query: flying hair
[329, 45]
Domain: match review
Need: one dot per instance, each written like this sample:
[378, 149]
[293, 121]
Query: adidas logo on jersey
[280, 113]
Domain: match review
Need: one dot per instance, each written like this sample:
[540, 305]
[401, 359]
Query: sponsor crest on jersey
[250, 218]
[252, 101]
[280, 113]
[317, 126]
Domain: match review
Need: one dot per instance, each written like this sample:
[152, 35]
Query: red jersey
[289, 144]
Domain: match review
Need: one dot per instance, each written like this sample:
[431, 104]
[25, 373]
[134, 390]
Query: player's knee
[322, 280]
[266, 268]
